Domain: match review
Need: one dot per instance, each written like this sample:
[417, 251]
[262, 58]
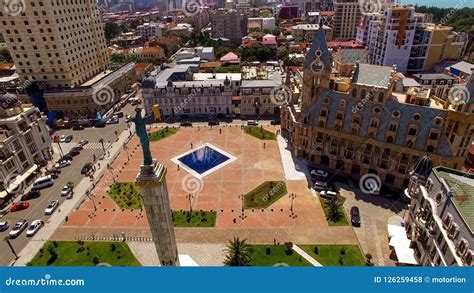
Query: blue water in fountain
[203, 159]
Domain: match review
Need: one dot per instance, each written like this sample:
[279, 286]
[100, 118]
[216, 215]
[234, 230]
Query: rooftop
[462, 185]
[430, 76]
[463, 66]
[373, 75]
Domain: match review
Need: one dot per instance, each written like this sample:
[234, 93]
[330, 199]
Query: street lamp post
[292, 198]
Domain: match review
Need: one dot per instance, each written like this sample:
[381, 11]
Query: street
[70, 173]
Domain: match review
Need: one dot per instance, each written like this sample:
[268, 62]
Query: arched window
[354, 92]
[362, 94]
[430, 149]
[390, 139]
[381, 97]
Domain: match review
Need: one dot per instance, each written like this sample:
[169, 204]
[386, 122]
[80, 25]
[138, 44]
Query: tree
[276, 32]
[238, 253]
[334, 210]
[111, 30]
[5, 56]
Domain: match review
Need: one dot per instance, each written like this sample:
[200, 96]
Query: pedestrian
[178, 168]
[191, 145]
[220, 131]
[263, 145]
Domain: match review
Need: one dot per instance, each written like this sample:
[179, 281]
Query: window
[412, 130]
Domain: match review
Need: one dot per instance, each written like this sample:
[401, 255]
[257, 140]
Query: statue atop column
[143, 135]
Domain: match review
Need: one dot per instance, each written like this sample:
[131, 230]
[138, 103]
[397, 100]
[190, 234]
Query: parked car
[83, 142]
[19, 206]
[118, 114]
[321, 185]
[252, 122]
[213, 123]
[100, 124]
[3, 226]
[128, 118]
[355, 216]
[53, 173]
[113, 120]
[318, 175]
[62, 163]
[18, 228]
[34, 227]
[66, 138]
[87, 167]
[74, 152]
[78, 127]
[51, 207]
[30, 195]
[43, 182]
[275, 122]
[186, 124]
[66, 190]
[328, 194]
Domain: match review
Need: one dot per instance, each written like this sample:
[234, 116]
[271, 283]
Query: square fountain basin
[203, 160]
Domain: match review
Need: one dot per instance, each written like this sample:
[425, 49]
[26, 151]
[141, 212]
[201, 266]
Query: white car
[63, 163]
[83, 142]
[66, 190]
[51, 207]
[320, 185]
[318, 174]
[113, 120]
[34, 227]
[328, 194]
[19, 227]
[252, 122]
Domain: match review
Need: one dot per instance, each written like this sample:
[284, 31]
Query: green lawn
[265, 13]
[342, 222]
[163, 133]
[260, 133]
[234, 68]
[70, 253]
[329, 254]
[277, 254]
[198, 219]
[265, 194]
[126, 195]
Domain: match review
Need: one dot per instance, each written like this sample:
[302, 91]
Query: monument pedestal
[151, 180]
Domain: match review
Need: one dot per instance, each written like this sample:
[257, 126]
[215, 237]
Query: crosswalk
[96, 145]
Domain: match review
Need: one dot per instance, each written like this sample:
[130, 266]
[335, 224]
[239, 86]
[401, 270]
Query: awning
[396, 231]
[14, 184]
[405, 255]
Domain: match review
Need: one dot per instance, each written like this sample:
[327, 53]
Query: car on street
[213, 123]
[78, 127]
[18, 228]
[66, 190]
[355, 216]
[51, 207]
[63, 163]
[100, 124]
[31, 195]
[328, 194]
[66, 138]
[318, 175]
[186, 124]
[275, 122]
[128, 118]
[53, 173]
[74, 152]
[3, 226]
[83, 142]
[19, 206]
[34, 227]
[252, 123]
[321, 185]
[113, 120]
[118, 114]
[87, 167]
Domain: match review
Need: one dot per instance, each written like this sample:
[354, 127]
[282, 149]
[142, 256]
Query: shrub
[316, 250]
[95, 259]
[113, 247]
[342, 251]
[268, 251]
[55, 243]
[80, 249]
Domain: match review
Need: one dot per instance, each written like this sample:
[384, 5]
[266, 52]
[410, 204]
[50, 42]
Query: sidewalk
[295, 168]
[306, 256]
[80, 191]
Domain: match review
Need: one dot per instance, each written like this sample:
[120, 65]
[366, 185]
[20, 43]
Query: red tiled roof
[345, 44]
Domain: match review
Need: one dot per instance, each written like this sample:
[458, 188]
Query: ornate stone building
[440, 219]
[358, 125]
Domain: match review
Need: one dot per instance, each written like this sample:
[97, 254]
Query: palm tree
[238, 253]
[7, 240]
[334, 210]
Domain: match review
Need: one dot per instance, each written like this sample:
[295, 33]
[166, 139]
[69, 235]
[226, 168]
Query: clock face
[317, 66]
[318, 53]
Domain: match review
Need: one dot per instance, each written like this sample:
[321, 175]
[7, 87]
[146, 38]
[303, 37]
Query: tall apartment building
[61, 45]
[58, 44]
[440, 222]
[148, 30]
[25, 142]
[229, 24]
[433, 43]
[359, 125]
[346, 18]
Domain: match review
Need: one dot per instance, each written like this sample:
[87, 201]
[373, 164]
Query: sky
[442, 3]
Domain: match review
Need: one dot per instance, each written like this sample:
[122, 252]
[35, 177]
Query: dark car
[355, 216]
[30, 195]
[87, 167]
[100, 124]
[78, 127]
[275, 122]
[186, 123]
[66, 157]
[213, 123]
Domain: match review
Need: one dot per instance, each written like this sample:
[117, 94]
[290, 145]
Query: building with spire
[358, 125]
[440, 219]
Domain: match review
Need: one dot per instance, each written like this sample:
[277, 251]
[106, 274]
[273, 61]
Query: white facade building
[148, 30]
